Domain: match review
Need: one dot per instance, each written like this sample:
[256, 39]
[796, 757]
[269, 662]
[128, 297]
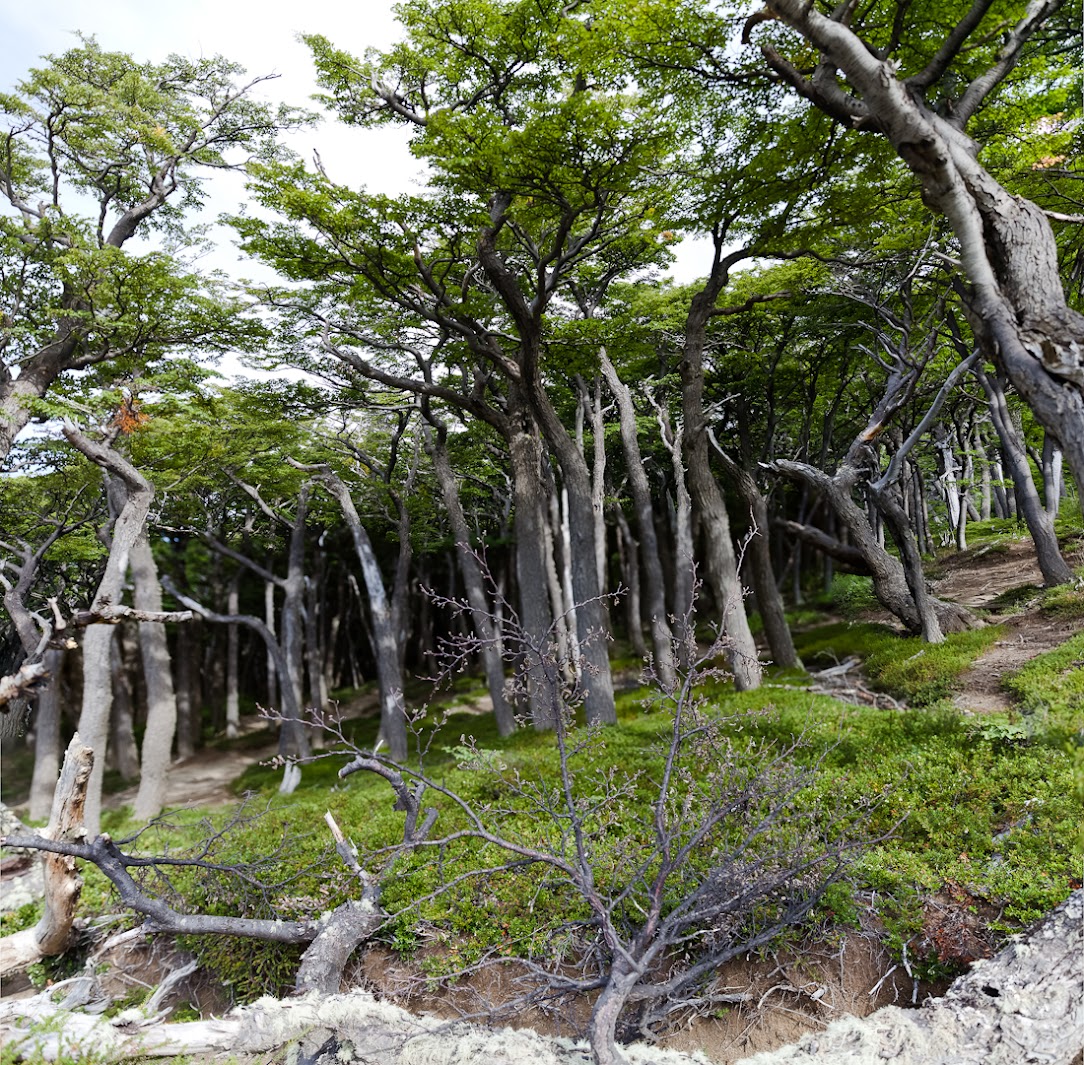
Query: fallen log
[350, 1027]
[1026, 1005]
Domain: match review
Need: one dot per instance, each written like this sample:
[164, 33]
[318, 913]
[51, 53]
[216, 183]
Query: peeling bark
[52, 934]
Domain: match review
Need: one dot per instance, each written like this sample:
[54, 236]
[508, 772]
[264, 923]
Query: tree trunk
[97, 686]
[269, 621]
[889, 580]
[122, 744]
[769, 601]
[1052, 481]
[628, 553]
[536, 618]
[470, 569]
[158, 677]
[1054, 568]
[233, 700]
[1015, 302]
[720, 561]
[385, 639]
[654, 584]
[53, 933]
[47, 738]
[182, 662]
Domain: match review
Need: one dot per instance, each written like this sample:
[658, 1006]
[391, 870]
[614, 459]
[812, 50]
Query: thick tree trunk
[1015, 302]
[654, 584]
[720, 561]
[97, 680]
[158, 677]
[536, 619]
[53, 933]
[470, 569]
[1052, 564]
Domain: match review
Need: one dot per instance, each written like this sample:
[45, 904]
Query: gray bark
[158, 677]
[710, 514]
[769, 601]
[483, 619]
[628, 553]
[654, 584]
[1015, 302]
[47, 738]
[536, 618]
[1052, 564]
[53, 934]
[124, 754]
[233, 702]
[97, 680]
[385, 638]
[1052, 479]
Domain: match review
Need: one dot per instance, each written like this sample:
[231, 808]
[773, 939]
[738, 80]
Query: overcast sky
[262, 36]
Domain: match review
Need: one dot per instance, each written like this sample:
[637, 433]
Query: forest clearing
[449, 617]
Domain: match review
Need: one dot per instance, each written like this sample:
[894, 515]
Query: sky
[262, 36]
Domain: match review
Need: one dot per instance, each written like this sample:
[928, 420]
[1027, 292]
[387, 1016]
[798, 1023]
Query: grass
[955, 807]
[914, 671]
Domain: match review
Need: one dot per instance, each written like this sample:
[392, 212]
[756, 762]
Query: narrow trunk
[628, 553]
[474, 580]
[385, 642]
[122, 744]
[233, 699]
[654, 584]
[769, 601]
[269, 621]
[183, 692]
[1054, 568]
[47, 738]
[1052, 482]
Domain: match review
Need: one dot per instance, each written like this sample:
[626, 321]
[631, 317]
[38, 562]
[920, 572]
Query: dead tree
[53, 933]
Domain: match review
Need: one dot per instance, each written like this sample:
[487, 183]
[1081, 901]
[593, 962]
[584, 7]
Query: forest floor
[793, 990]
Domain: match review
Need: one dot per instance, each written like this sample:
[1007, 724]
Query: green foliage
[851, 594]
[26, 916]
[905, 666]
[1049, 690]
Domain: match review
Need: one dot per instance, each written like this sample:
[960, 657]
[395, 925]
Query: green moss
[1049, 691]
[907, 667]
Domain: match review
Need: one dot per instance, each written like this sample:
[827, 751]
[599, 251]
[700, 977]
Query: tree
[132, 139]
[922, 91]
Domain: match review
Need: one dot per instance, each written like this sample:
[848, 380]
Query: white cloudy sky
[262, 37]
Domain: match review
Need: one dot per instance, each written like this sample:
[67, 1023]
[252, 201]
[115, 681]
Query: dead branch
[52, 934]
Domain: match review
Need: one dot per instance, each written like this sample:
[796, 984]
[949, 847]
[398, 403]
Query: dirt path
[976, 579]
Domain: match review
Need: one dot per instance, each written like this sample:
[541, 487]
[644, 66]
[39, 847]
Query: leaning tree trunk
[158, 677]
[1040, 523]
[654, 584]
[889, 579]
[720, 561]
[776, 630]
[1015, 302]
[97, 679]
[385, 639]
[53, 934]
[470, 568]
